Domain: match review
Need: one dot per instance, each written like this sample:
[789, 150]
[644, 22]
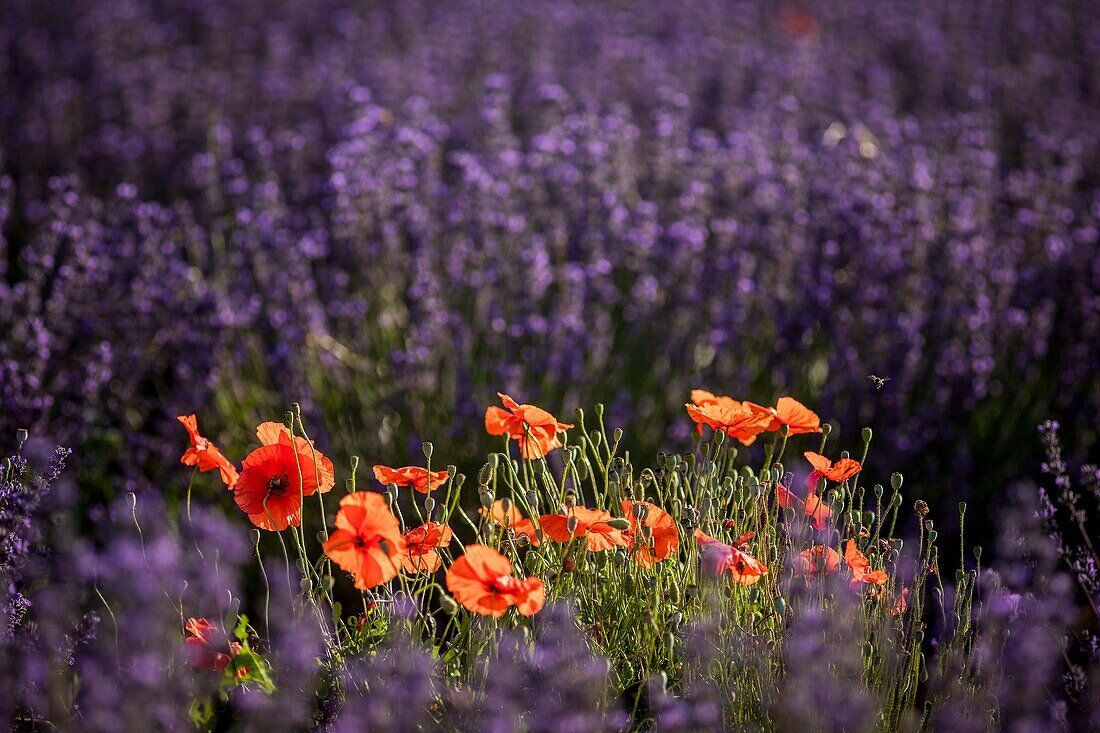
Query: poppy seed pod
[640, 512]
[596, 437]
[20, 438]
[878, 491]
[619, 524]
[486, 498]
[506, 505]
[895, 481]
[719, 439]
[579, 414]
[429, 505]
[428, 448]
[867, 435]
[349, 484]
[617, 434]
[571, 525]
[844, 454]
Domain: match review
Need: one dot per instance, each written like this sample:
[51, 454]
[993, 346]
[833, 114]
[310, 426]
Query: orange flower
[719, 558]
[862, 574]
[813, 507]
[740, 420]
[270, 487]
[271, 433]
[842, 470]
[512, 519]
[592, 524]
[199, 647]
[483, 582]
[535, 429]
[421, 553]
[419, 478]
[818, 560]
[798, 418]
[367, 541]
[666, 538]
[205, 454]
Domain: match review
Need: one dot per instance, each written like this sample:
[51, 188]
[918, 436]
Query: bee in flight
[879, 382]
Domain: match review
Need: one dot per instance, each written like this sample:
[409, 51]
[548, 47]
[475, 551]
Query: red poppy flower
[367, 541]
[421, 547]
[419, 478]
[798, 418]
[842, 470]
[205, 454]
[720, 558]
[817, 510]
[272, 483]
[741, 420]
[200, 646]
[535, 429]
[482, 580]
[818, 560]
[862, 574]
[513, 520]
[665, 536]
[270, 433]
[592, 524]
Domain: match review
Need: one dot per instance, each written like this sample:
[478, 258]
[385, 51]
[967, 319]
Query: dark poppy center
[278, 485]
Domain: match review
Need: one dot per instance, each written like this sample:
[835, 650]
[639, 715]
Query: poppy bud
[897, 500]
[777, 469]
[895, 481]
[485, 475]
[780, 605]
[459, 480]
[354, 464]
[640, 512]
[867, 435]
[20, 438]
[582, 470]
[826, 429]
[533, 499]
[869, 518]
[255, 536]
[448, 604]
[754, 594]
[570, 501]
[962, 508]
[619, 524]
[349, 484]
[327, 581]
[977, 552]
[617, 434]
[571, 525]
[619, 558]
[878, 491]
[522, 541]
[689, 461]
[288, 419]
[427, 447]
[391, 492]
[321, 536]
[599, 409]
[719, 439]
[568, 564]
[704, 448]
[932, 535]
[429, 505]
[747, 472]
[486, 498]
[595, 436]
[579, 414]
[613, 477]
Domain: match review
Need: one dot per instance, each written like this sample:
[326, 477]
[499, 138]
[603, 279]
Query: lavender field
[798, 302]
